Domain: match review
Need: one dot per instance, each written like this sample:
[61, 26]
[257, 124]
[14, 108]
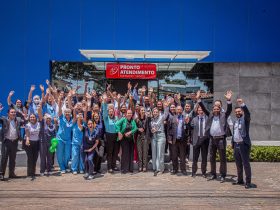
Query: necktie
[201, 127]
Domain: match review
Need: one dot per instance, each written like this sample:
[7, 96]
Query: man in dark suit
[200, 141]
[241, 143]
[11, 135]
[177, 138]
[216, 128]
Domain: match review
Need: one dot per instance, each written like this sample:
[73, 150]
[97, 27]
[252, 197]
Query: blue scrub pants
[77, 158]
[63, 154]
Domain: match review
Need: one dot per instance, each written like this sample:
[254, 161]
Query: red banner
[130, 71]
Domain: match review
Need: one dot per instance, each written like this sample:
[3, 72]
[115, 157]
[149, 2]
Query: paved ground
[142, 191]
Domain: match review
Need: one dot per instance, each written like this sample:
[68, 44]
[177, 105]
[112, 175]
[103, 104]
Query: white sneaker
[82, 172]
[42, 174]
[86, 175]
[62, 172]
[68, 170]
[75, 173]
[90, 177]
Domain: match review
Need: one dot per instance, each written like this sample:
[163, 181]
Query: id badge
[239, 126]
[90, 138]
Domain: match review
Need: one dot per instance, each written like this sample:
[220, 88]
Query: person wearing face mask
[158, 138]
[126, 127]
[77, 163]
[63, 135]
[241, 143]
[11, 134]
[48, 131]
[215, 127]
[112, 145]
[200, 141]
[33, 137]
[143, 139]
[33, 104]
[90, 142]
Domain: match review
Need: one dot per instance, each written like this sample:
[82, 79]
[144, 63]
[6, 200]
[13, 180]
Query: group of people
[130, 127]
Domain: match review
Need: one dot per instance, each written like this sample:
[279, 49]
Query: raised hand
[32, 88]
[93, 93]
[47, 82]
[179, 96]
[129, 86]
[88, 96]
[11, 93]
[42, 88]
[166, 103]
[228, 95]
[1, 107]
[136, 85]
[119, 97]
[198, 95]
[108, 87]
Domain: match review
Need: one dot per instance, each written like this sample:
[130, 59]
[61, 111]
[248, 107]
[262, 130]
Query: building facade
[242, 36]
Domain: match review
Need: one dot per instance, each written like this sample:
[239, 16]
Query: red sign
[130, 71]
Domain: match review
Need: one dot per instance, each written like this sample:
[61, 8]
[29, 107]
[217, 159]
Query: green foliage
[258, 154]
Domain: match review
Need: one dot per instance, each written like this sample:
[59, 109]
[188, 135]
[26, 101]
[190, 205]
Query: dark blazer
[223, 118]
[172, 125]
[146, 125]
[195, 126]
[6, 126]
[245, 126]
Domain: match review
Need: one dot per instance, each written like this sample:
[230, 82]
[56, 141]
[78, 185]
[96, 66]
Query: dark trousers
[200, 147]
[188, 151]
[127, 145]
[32, 152]
[179, 150]
[89, 164]
[113, 147]
[242, 159]
[142, 149]
[219, 145]
[8, 151]
[45, 157]
[97, 162]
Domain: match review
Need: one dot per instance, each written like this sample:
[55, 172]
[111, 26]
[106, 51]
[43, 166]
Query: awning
[145, 55]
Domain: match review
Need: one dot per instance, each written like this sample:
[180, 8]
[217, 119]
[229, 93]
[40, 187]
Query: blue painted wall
[33, 32]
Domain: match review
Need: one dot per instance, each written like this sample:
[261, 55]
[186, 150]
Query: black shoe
[223, 179]
[238, 183]
[213, 177]
[184, 173]
[110, 171]
[193, 174]
[174, 172]
[204, 175]
[13, 176]
[2, 178]
[155, 173]
[248, 186]
[33, 178]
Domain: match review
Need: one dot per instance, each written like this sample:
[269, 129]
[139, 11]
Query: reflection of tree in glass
[77, 71]
[203, 72]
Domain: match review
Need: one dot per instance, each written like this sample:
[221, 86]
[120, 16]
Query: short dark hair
[237, 107]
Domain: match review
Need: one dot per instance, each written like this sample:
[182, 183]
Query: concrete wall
[258, 84]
